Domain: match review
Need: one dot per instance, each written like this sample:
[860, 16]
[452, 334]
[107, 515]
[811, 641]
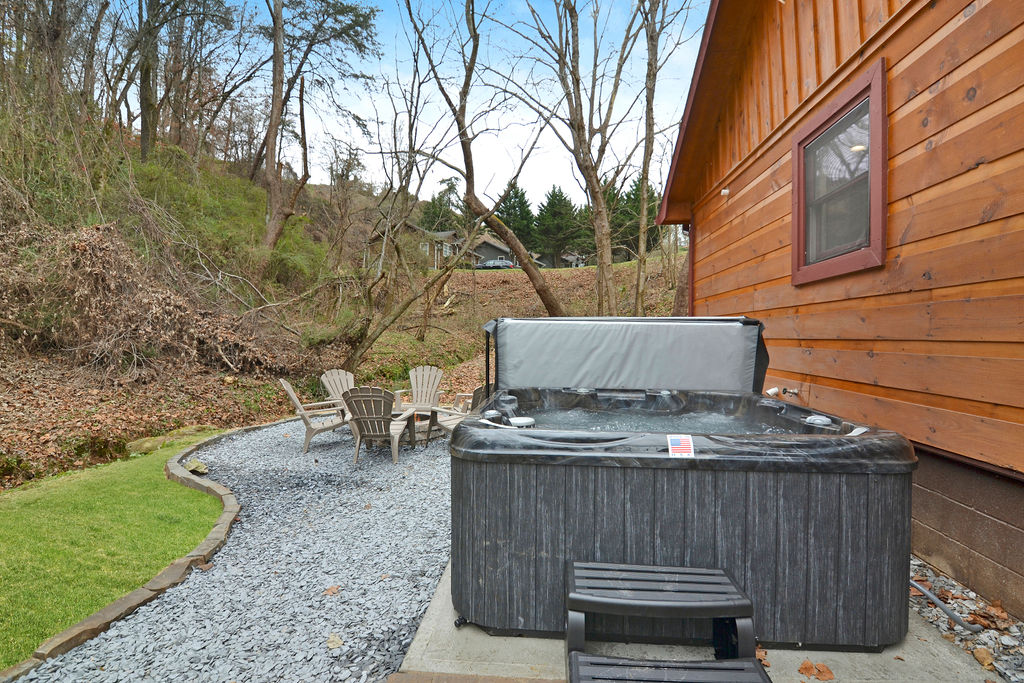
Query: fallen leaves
[56, 416]
[331, 590]
[991, 616]
[762, 656]
[825, 673]
[334, 641]
[819, 671]
[984, 657]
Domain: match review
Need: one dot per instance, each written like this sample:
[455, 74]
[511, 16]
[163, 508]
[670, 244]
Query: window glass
[836, 164]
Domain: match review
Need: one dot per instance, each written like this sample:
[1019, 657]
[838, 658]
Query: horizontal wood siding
[932, 344]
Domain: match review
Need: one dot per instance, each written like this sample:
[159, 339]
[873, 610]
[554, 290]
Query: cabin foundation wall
[969, 523]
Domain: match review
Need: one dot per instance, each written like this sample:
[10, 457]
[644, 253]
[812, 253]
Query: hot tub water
[702, 422]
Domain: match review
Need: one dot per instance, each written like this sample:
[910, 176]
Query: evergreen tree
[624, 218]
[630, 210]
[559, 227]
[515, 212]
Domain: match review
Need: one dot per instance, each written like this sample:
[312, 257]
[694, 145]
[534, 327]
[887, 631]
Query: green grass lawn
[71, 544]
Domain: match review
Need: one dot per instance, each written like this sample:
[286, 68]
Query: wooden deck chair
[333, 418]
[462, 406]
[423, 394]
[479, 397]
[337, 382]
[371, 420]
[448, 420]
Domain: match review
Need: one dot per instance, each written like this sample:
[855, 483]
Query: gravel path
[999, 646]
[326, 576]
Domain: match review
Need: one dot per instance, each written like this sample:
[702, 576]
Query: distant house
[852, 174]
[486, 247]
[437, 246]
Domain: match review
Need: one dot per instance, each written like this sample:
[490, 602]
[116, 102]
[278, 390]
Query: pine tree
[559, 227]
[515, 212]
[629, 207]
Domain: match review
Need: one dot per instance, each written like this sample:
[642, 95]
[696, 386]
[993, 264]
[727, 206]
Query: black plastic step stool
[584, 668]
[669, 592]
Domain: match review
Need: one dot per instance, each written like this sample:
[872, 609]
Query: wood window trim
[870, 84]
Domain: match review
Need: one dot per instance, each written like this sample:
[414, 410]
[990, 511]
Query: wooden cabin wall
[931, 344]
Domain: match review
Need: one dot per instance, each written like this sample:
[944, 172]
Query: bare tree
[656, 18]
[320, 36]
[584, 113]
[592, 102]
[241, 61]
[406, 149]
[458, 107]
[279, 208]
[89, 61]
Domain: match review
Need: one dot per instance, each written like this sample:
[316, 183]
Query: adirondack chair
[462, 406]
[332, 415]
[371, 418]
[337, 382]
[423, 395]
[478, 397]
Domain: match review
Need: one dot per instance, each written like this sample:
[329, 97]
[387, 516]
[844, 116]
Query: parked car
[495, 263]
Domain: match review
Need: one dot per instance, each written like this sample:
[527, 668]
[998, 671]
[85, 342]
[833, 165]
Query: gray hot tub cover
[711, 354]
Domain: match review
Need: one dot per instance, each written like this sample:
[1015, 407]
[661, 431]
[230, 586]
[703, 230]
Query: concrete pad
[439, 648]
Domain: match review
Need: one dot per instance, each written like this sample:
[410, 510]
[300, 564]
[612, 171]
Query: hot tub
[808, 512]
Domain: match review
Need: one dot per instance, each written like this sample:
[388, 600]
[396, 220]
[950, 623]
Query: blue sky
[498, 151]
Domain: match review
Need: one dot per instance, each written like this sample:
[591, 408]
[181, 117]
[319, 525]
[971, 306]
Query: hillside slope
[57, 415]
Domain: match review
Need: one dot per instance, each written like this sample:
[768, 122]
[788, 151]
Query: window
[839, 198]
[446, 249]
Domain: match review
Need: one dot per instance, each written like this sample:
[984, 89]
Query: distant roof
[487, 238]
[440, 236]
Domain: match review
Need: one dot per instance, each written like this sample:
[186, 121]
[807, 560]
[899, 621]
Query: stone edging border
[172, 575]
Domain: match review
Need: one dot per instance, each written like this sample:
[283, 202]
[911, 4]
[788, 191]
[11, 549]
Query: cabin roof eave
[721, 49]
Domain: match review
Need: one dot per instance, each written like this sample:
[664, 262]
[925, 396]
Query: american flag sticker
[680, 446]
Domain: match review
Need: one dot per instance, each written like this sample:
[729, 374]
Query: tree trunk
[89, 65]
[607, 303]
[653, 35]
[176, 85]
[45, 50]
[681, 302]
[428, 304]
[147, 77]
[272, 170]
[607, 299]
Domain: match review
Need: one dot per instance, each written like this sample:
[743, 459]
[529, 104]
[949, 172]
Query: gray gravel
[268, 609]
[1005, 644]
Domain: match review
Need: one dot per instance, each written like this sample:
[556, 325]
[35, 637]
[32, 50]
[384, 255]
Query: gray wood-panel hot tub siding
[824, 557]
